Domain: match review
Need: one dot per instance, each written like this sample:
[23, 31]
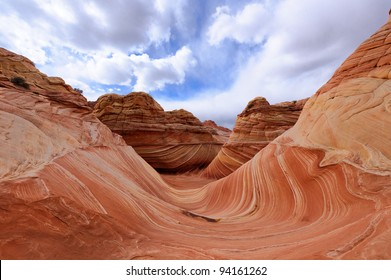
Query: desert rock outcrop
[255, 128]
[322, 189]
[173, 141]
[70, 188]
[23, 69]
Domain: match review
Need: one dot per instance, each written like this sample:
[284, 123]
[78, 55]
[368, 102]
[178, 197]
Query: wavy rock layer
[321, 190]
[255, 128]
[174, 141]
[72, 189]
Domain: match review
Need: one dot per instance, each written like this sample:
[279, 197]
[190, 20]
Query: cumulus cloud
[98, 42]
[299, 55]
[248, 25]
[108, 68]
[221, 53]
[302, 52]
[154, 74]
[127, 26]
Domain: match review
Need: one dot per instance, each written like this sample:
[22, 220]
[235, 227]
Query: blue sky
[207, 56]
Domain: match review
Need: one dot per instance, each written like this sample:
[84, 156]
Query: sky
[210, 57]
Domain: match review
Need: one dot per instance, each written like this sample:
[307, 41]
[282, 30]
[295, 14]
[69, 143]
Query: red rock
[219, 132]
[321, 189]
[71, 189]
[210, 123]
[173, 141]
[255, 128]
[13, 65]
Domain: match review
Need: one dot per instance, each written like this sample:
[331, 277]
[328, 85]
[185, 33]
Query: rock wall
[255, 128]
[71, 189]
[174, 141]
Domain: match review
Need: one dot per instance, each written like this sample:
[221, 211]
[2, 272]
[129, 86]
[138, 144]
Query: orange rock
[321, 189]
[17, 66]
[71, 189]
[223, 133]
[255, 128]
[169, 141]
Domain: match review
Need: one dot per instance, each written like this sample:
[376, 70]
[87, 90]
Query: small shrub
[21, 82]
[78, 90]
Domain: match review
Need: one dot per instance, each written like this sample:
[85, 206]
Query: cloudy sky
[207, 56]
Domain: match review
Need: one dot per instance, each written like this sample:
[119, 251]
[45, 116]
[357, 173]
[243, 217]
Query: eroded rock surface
[255, 128]
[70, 188]
[174, 141]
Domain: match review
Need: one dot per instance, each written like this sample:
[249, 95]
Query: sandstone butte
[173, 141]
[69, 188]
[255, 128]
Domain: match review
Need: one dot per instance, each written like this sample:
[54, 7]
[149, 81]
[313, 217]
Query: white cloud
[154, 74]
[89, 42]
[249, 25]
[116, 68]
[108, 69]
[282, 50]
[94, 11]
[300, 53]
[60, 9]
[169, 14]
[18, 38]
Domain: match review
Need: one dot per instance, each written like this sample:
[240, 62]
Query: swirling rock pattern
[69, 188]
[174, 141]
[255, 128]
[323, 187]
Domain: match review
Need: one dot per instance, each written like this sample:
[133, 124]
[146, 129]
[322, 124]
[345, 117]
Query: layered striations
[255, 128]
[322, 189]
[69, 188]
[18, 72]
[173, 141]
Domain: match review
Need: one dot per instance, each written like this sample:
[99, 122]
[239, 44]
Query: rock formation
[322, 189]
[223, 133]
[15, 66]
[173, 141]
[71, 189]
[255, 128]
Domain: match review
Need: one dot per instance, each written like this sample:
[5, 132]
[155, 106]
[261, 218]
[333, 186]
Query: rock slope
[255, 128]
[173, 141]
[322, 189]
[70, 188]
[60, 172]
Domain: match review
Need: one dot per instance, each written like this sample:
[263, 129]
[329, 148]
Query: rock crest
[173, 141]
[258, 125]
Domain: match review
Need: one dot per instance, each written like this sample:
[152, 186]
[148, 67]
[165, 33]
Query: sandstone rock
[212, 124]
[173, 141]
[71, 189]
[17, 66]
[321, 189]
[255, 128]
[223, 133]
